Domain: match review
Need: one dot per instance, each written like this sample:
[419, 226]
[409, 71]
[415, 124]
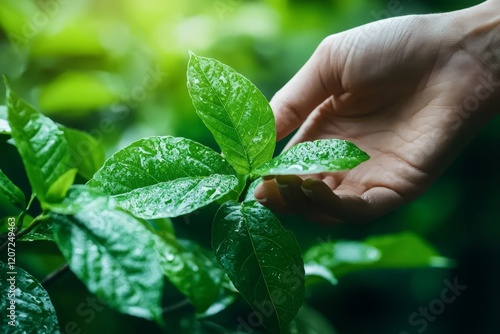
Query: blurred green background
[117, 70]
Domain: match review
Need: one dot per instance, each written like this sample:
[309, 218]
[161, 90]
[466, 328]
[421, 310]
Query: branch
[55, 275]
[27, 230]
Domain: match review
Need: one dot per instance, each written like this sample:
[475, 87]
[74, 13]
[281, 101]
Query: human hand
[410, 91]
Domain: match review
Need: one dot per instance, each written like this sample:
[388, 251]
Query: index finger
[317, 80]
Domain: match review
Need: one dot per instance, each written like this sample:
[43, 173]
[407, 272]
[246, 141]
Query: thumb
[317, 80]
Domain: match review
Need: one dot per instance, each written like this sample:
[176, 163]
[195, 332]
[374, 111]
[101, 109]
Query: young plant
[115, 234]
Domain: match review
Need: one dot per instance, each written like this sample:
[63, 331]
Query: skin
[410, 91]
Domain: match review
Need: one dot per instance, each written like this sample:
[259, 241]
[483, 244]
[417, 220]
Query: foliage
[115, 234]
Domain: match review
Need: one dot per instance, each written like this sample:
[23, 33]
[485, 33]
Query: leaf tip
[7, 85]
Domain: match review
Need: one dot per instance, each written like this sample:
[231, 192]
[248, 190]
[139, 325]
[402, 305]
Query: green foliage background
[118, 70]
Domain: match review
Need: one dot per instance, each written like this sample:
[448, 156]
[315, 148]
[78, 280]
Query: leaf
[405, 250]
[324, 155]
[87, 154]
[176, 197]
[43, 149]
[191, 271]
[42, 232]
[333, 254]
[113, 254]
[10, 195]
[32, 303]
[314, 271]
[161, 177]
[234, 110]
[309, 321]
[263, 261]
[80, 198]
[4, 123]
[57, 190]
[249, 196]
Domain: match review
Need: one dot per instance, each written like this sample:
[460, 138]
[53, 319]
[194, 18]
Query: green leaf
[10, 195]
[405, 250]
[57, 190]
[161, 177]
[249, 196]
[316, 271]
[176, 197]
[309, 321]
[32, 303]
[43, 149]
[191, 271]
[234, 110]
[4, 123]
[263, 261]
[324, 155]
[113, 254]
[42, 232]
[80, 198]
[87, 154]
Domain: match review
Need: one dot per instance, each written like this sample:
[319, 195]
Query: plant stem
[27, 230]
[55, 275]
[20, 219]
[243, 193]
[31, 226]
[177, 306]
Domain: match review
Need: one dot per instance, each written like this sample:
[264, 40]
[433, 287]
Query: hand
[410, 91]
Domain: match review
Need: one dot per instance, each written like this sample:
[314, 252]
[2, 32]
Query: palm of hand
[395, 100]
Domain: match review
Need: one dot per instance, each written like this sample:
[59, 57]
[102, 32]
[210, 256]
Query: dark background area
[87, 61]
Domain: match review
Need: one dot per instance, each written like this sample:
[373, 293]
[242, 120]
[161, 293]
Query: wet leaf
[251, 189]
[4, 123]
[33, 312]
[177, 197]
[113, 254]
[87, 154]
[80, 198]
[42, 232]
[315, 271]
[43, 149]
[325, 155]
[10, 195]
[191, 270]
[263, 261]
[234, 110]
[161, 177]
[404, 250]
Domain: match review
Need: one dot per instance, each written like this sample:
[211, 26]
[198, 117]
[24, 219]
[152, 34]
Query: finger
[318, 79]
[297, 202]
[268, 194]
[290, 190]
[318, 125]
[352, 207]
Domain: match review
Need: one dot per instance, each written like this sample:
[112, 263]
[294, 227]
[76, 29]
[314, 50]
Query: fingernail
[261, 200]
[282, 185]
[308, 192]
